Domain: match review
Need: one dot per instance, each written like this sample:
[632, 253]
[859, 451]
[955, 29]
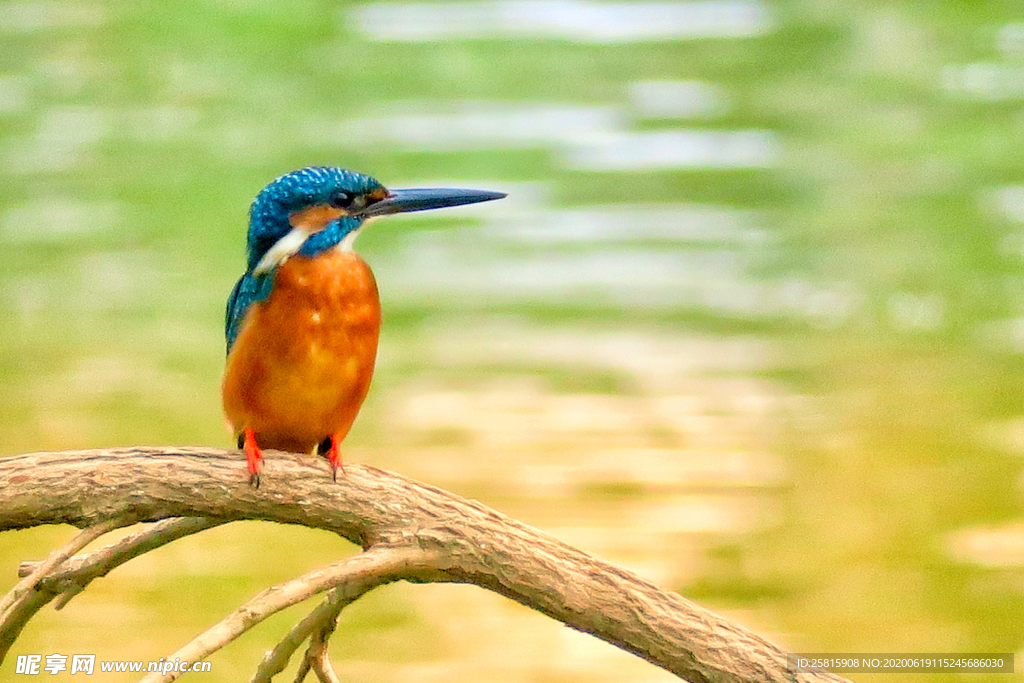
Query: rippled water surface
[750, 322]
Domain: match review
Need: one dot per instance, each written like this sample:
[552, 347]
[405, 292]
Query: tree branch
[75, 573]
[419, 532]
[28, 597]
[316, 627]
[356, 575]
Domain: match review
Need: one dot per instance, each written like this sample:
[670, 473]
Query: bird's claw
[330, 448]
[253, 456]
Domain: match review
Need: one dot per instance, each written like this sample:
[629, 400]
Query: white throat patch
[348, 242]
[282, 250]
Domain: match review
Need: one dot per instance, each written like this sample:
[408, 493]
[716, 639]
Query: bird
[303, 322]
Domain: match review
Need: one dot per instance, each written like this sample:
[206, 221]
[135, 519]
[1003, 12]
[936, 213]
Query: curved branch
[28, 596]
[465, 541]
[354, 575]
[317, 658]
[75, 573]
[317, 626]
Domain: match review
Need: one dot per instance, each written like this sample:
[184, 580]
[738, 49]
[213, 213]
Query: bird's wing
[238, 304]
[249, 290]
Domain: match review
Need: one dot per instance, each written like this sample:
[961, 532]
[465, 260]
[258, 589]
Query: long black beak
[422, 199]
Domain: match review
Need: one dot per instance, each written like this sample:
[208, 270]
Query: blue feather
[249, 290]
[268, 217]
[269, 222]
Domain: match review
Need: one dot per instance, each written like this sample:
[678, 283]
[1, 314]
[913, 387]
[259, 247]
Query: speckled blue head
[312, 210]
[270, 215]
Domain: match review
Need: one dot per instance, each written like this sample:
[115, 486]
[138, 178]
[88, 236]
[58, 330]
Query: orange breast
[301, 365]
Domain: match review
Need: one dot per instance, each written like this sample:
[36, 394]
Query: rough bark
[446, 539]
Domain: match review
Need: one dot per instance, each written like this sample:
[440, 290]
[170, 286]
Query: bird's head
[317, 208]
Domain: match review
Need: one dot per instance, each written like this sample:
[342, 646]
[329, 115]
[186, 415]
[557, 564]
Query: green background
[788, 386]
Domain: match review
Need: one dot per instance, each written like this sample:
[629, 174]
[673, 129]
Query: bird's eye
[341, 200]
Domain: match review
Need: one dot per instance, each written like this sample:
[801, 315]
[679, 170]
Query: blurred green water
[808, 416]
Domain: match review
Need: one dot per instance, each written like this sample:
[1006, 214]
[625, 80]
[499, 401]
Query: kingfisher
[303, 322]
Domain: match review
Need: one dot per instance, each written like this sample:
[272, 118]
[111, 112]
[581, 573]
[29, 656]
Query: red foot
[253, 456]
[334, 457]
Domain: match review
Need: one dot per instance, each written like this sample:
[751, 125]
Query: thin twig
[321, 663]
[26, 598]
[317, 627]
[318, 624]
[316, 654]
[75, 573]
[326, 612]
[357, 574]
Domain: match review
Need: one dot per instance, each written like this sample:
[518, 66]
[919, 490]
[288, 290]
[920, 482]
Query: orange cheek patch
[315, 218]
